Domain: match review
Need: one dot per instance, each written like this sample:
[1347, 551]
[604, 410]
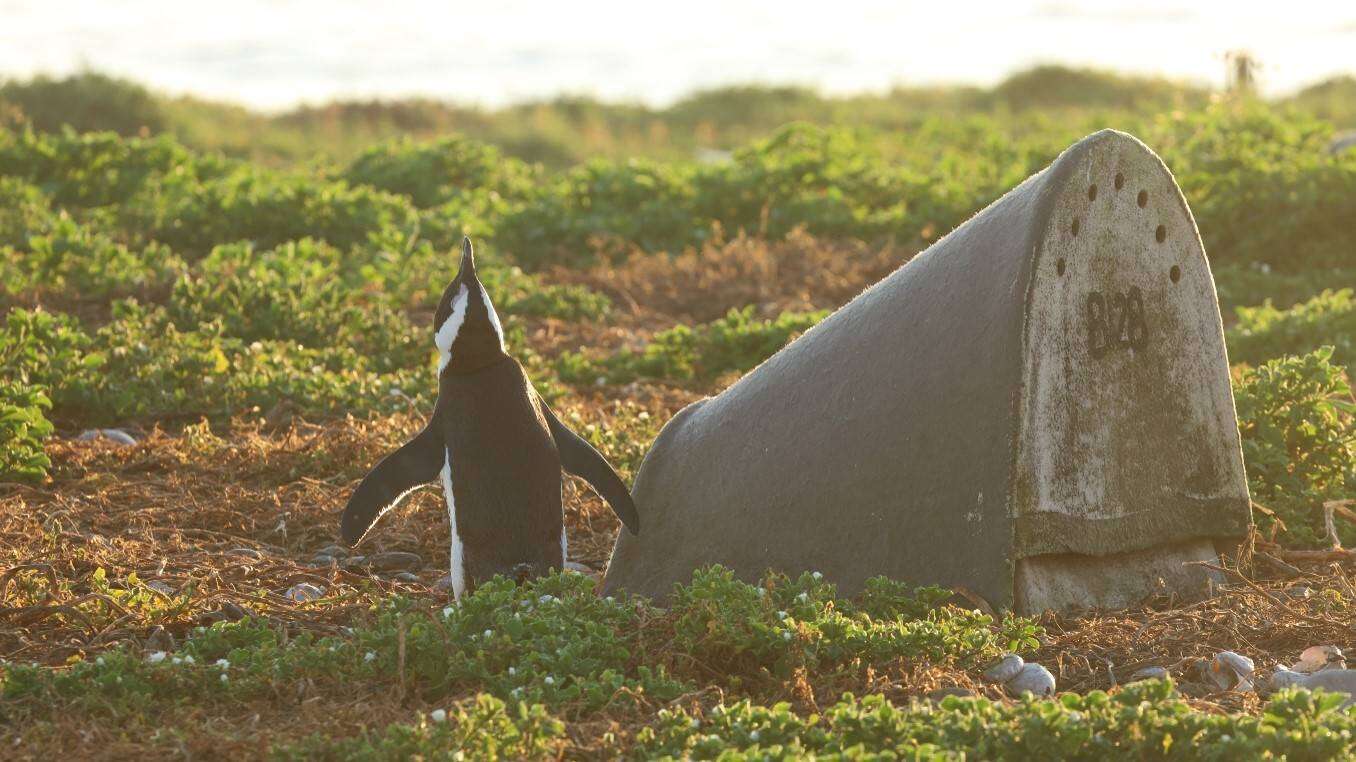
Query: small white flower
[99, 661]
[803, 597]
[438, 715]
[754, 736]
[610, 599]
[447, 612]
[489, 633]
[781, 614]
[516, 693]
[786, 635]
[546, 598]
[223, 664]
[817, 576]
[694, 723]
[762, 592]
[156, 657]
[188, 659]
[370, 656]
[225, 677]
[512, 671]
[549, 680]
[176, 660]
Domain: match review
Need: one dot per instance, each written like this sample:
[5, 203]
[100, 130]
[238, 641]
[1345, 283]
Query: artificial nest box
[1037, 409]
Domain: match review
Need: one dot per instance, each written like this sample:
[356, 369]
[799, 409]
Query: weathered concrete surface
[1043, 390]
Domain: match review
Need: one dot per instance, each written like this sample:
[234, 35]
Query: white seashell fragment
[1032, 678]
[1006, 669]
[1318, 658]
[1231, 671]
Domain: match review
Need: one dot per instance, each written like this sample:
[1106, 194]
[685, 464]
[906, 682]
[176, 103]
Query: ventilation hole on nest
[1143, 199]
[1120, 180]
[1092, 192]
[1074, 227]
[1161, 234]
[1059, 267]
[1175, 273]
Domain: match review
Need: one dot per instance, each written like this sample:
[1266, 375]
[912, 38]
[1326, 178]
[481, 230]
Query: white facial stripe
[447, 332]
[458, 565]
[494, 316]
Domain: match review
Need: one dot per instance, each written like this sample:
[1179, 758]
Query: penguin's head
[466, 328]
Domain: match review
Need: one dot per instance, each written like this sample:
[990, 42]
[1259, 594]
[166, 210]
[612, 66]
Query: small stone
[160, 587]
[1006, 669]
[1333, 681]
[406, 577]
[159, 639]
[249, 553]
[1149, 673]
[438, 715]
[395, 560]
[1032, 678]
[950, 690]
[333, 551]
[303, 592]
[117, 436]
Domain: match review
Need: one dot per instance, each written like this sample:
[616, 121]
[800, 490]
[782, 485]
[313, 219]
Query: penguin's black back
[504, 464]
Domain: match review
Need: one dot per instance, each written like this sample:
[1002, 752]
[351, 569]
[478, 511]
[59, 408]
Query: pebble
[406, 577]
[1032, 678]
[303, 592]
[333, 551]
[113, 435]
[1332, 680]
[950, 690]
[395, 560]
[1006, 669]
[1149, 673]
[159, 640]
[160, 587]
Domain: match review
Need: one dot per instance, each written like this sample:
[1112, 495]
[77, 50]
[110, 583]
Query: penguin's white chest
[457, 571]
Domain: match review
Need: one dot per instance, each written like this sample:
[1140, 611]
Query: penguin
[496, 448]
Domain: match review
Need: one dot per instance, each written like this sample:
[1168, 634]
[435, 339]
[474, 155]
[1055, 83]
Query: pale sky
[273, 55]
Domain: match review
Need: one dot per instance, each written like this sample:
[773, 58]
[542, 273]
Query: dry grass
[225, 524]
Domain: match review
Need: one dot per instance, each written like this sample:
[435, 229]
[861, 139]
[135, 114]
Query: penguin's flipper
[579, 458]
[416, 463]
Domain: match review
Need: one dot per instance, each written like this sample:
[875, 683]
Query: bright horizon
[276, 55]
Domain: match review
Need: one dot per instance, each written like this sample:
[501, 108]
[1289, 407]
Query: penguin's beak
[468, 260]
